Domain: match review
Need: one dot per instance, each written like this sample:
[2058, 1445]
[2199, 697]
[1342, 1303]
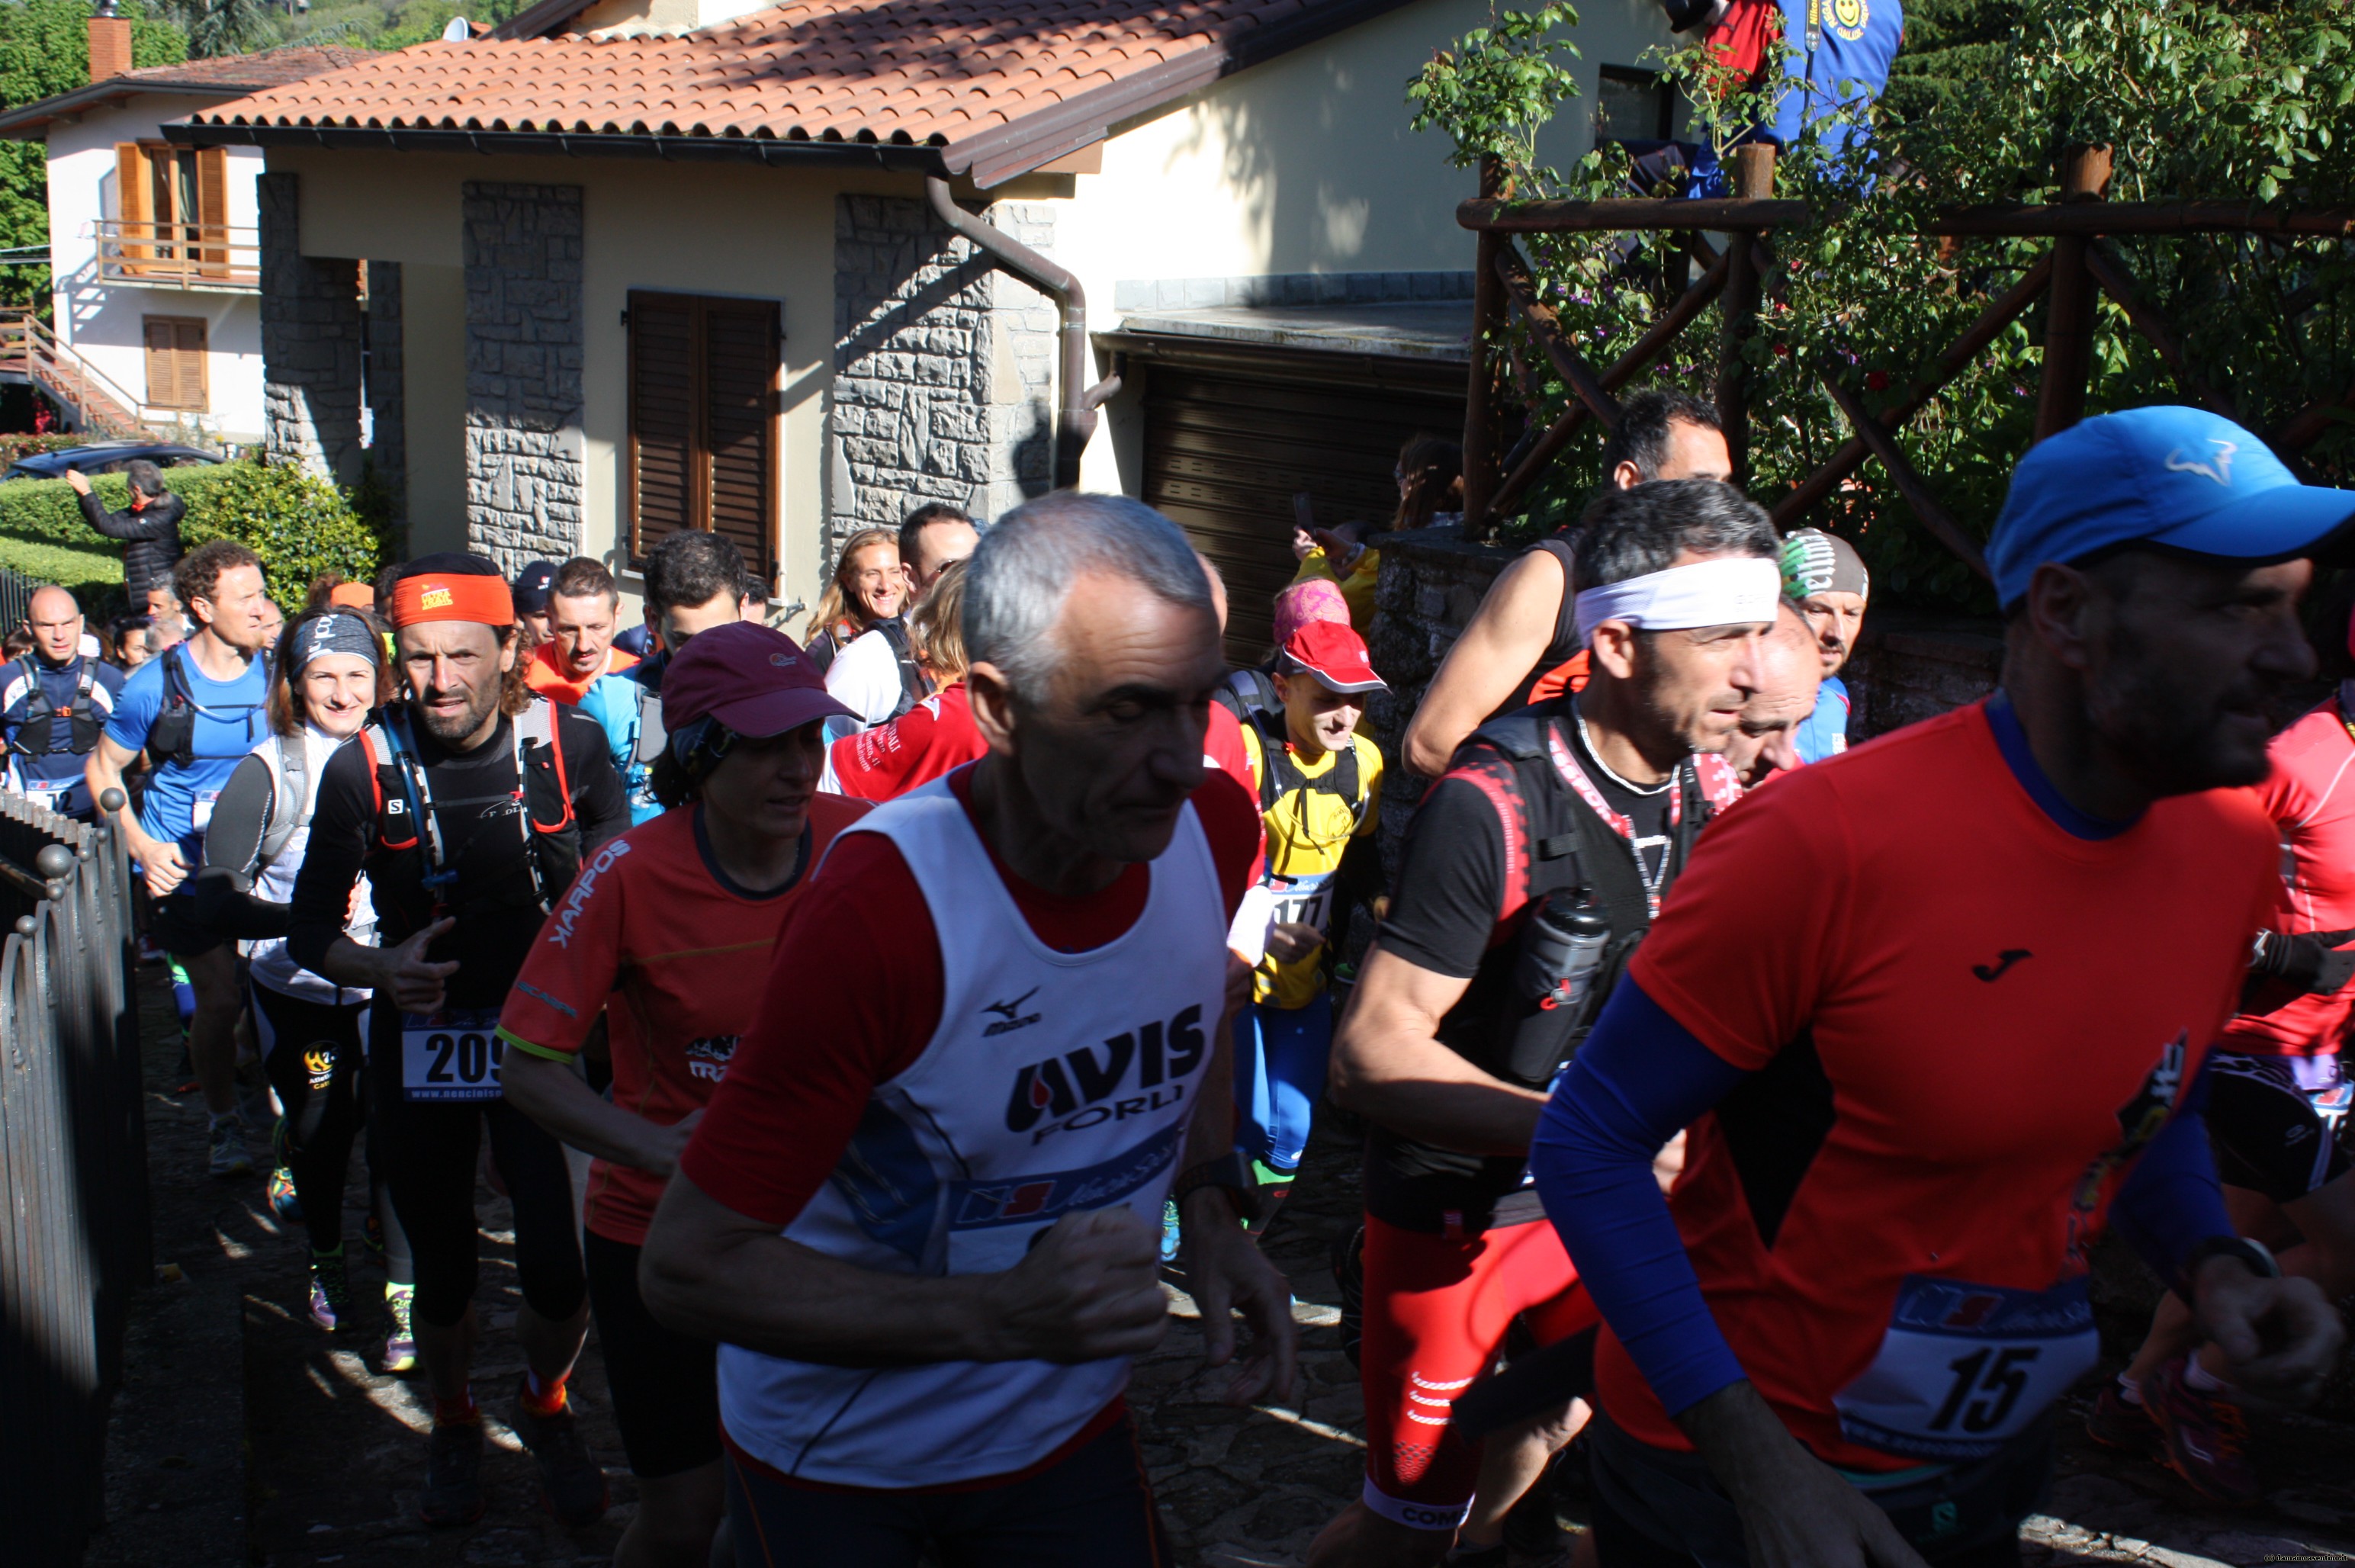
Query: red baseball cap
[750, 678]
[1334, 654]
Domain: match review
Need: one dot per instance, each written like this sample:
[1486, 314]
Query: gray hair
[1026, 563]
[1634, 533]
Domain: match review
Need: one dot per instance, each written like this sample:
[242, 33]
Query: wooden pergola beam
[1910, 483]
[1545, 329]
[1627, 214]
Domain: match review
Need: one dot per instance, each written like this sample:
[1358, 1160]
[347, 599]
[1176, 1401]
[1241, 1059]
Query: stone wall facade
[311, 342]
[943, 367]
[524, 449]
[388, 452]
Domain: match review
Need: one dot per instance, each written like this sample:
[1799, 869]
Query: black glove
[2311, 961]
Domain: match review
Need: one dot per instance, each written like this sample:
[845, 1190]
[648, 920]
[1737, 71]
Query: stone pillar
[388, 416]
[943, 367]
[311, 337]
[524, 449]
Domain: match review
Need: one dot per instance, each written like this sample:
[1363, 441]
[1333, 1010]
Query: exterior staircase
[92, 401]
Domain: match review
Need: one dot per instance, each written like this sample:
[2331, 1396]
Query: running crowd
[1740, 1110]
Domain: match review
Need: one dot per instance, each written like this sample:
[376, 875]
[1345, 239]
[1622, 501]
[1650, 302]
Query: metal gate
[74, 1241]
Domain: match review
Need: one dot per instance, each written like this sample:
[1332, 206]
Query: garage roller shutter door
[1225, 449]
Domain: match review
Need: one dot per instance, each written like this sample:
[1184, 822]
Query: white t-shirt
[865, 678]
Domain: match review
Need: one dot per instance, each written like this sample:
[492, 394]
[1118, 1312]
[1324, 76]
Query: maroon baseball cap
[750, 678]
[1333, 653]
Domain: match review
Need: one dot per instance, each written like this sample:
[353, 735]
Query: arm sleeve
[561, 988]
[854, 995]
[1638, 1080]
[2170, 1201]
[128, 526]
[1450, 883]
[332, 860]
[598, 798]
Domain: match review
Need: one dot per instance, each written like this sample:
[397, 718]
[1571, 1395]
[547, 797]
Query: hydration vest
[1279, 775]
[288, 759]
[913, 687]
[405, 820]
[1576, 859]
[81, 714]
[171, 738]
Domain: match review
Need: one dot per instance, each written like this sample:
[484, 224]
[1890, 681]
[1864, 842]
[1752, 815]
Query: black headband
[337, 634]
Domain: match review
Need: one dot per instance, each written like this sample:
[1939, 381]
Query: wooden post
[1753, 180]
[2069, 313]
[1481, 454]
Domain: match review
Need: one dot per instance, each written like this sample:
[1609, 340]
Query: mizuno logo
[1010, 1014]
[2220, 471]
[2003, 960]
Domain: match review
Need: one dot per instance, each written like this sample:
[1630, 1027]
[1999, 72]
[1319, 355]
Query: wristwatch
[2256, 1255]
[1227, 1171]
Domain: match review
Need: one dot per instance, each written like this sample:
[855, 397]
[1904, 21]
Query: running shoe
[401, 1345]
[2117, 1423]
[229, 1155]
[2206, 1436]
[1172, 1232]
[1350, 1278]
[454, 1475]
[572, 1487]
[282, 1201]
[331, 1290]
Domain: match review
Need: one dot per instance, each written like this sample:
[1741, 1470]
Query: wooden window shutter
[131, 196]
[188, 348]
[740, 425]
[212, 205]
[664, 417]
[163, 366]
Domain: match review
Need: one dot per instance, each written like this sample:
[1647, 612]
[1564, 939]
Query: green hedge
[300, 526]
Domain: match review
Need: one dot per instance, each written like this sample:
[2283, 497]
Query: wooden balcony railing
[213, 256]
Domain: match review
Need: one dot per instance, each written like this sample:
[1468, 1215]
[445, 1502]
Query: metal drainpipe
[1075, 419]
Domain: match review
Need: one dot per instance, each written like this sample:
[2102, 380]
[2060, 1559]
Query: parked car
[105, 457]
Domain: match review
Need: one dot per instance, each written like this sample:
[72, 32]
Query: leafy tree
[2201, 100]
[218, 27]
[44, 50]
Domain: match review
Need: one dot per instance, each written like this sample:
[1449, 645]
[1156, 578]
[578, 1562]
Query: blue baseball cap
[2183, 479]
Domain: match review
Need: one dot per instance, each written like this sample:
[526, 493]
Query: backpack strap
[383, 753]
[290, 793]
[913, 687]
[537, 748]
[652, 736]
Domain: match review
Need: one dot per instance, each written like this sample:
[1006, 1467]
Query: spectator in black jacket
[149, 531]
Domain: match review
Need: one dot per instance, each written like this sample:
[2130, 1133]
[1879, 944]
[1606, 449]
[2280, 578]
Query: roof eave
[30, 121]
[766, 150]
[1015, 149]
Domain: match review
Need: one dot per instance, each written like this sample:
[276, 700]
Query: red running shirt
[2311, 798]
[1951, 1005]
[853, 995]
[936, 737]
[676, 957]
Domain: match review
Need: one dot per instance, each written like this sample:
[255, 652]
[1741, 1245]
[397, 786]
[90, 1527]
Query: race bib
[1964, 1368]
[1303, 901]
[200, 815]
[450, 1055]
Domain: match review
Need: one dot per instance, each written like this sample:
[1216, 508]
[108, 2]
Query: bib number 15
[451, 1056]
[1964, 1368]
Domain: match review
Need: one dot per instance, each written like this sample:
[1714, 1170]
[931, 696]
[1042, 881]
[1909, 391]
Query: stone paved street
[245, 1436]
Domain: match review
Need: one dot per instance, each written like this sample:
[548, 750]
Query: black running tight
[426, 1154]
[310, 1052]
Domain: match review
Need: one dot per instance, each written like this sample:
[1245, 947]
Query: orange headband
[440, 596]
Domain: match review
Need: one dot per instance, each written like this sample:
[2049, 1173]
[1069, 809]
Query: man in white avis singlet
[921, 1213]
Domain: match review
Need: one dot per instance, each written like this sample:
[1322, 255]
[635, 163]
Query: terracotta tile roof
[991, 89]
[225, 76]
[246, 73]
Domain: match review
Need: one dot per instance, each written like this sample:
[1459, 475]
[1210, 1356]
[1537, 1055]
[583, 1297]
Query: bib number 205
[451, 1056]
[1963, 1368]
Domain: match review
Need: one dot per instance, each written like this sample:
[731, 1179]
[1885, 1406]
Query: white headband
[1729, 591]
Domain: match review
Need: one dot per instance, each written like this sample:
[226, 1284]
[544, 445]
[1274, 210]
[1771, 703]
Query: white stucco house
[154, 269]
[625, 266]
